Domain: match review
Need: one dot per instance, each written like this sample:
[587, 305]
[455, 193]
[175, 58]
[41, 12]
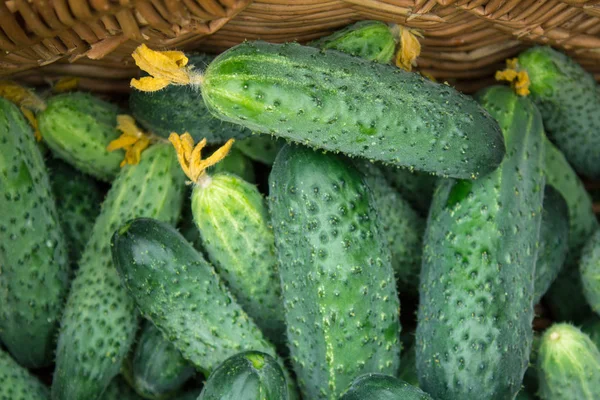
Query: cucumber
[77, 127]
[340, 299]
[334, 101]
[591, 327]
[251, 375]
[568, 365]
[553, 242]
[180, 109]
[416, 187]
[118, 389]
[408, 366]
[476, 294]
[78, 200]
[569, 102]
[371, 40]
[233, 221]
[33, 255]
[590, 271]
[261, 148]
[100, 319]
[16, 383]
[401, 226]
[383, 387]
[158, 368]
[236, 163]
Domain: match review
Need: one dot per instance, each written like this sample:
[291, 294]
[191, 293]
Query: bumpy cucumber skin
[331, 100]
[78, 201]
[77, 127]
[371, 40]
[100, 319]
[569, 102]
[180, 109]
[158, 368]
[234, 225]
[416, 187]
[261, 148]
[568, 365]
[401, 226]
[335, 271]
[383, 387]
[118, 389]
[236, 163]
[591, 327]
[16, 383]
[476, 294]
[250, 375]
[33, 255]
[553, 242]
[590, 271]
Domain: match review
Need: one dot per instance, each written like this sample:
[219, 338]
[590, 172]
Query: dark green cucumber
[590, 271]
[100, 319]
[416, 187]
[236, 163]
[334, 101]
[408, 366]
[591, 327]
[77, 127]
[371, 40]
[476, 294]
[569, 102]
[251, 375]
[34, 267]
[158, 368]
[261, 148]
[118, 389]
[553, 242]
[568, 365]
[180, 109]
[383, 387]
[78, 200]
[340, 299]
[401, 226]
[16, 383]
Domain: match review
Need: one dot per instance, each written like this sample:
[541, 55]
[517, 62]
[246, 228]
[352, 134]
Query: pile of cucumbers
[352, 187]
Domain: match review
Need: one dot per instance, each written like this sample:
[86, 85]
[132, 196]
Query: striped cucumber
[100, 320]
[118, 389]
[476, 294]
[340, 299]
[590, 271]
[416, 187]
[383, 387]
[261, 148]
[16, 383]
[33, 254]
[77, 127]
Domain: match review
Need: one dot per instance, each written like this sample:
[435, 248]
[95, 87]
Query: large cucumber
[34, 266]
[416, 187]
[476, 295]
[331, 100]
[118, 389]
[251, 375]
[77, 127]
[338, 285]
[383, 387]
[590, 271]
[100, 319]
[569, 102]
[16, 383]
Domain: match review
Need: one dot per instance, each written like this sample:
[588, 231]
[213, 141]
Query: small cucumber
[553, 242]
[261, 148]
[476, 295]
[334, 101]
[568, 365]
[383, 387]
[158, 368]
[100, 319]
[236, 163]
[77, 127]
[16, 383]
[118, 389]
[371, 40]
[592, 328]
[416, 187]
[34, 267]
[569, 102]
[340, 299]
[251, 375]
[590, 271]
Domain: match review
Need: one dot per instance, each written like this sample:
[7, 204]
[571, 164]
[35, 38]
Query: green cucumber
[416, 187]
[371, 40]
[383, 387]
[590, 271]
[100, 319]
[180, 109]
[334, 101]
[408, 366]
[236, 163]
[553, 242]
[569, 102]
[77, 127]
[340, 299]
[233, 221]
[401, 226]
[158, 368]
[568, 365]
[78, 200]
[118, 389]
[261, 148]
[33, 254]
[251, 375]
[476, 294]
[591, 327]
[16, 383]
